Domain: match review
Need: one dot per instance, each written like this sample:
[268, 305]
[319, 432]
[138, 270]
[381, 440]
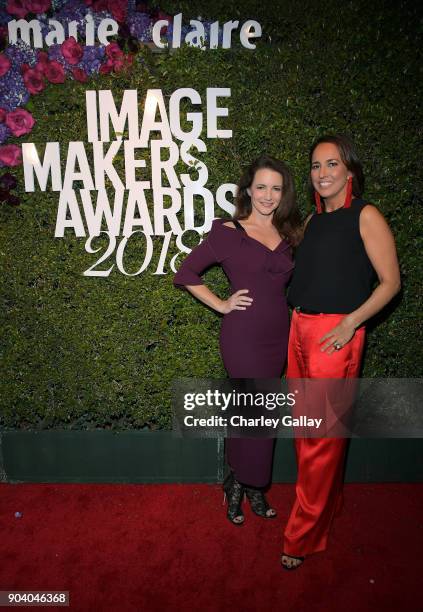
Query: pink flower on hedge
[165, 16]
[72, 51]
[114, 52]
[38, 6]
[20, 122]
[117, 60]
[17, 7]
[79, 75]
[55, 73]
[3, 114]
[40, 68]
[11, 155]
[3, 33]
[34, 81]
[37, 68]
[107, 67]
[42, 57]
[4, 64]
[42, 62]
[98, 5]
[120, 65]
[118, 9]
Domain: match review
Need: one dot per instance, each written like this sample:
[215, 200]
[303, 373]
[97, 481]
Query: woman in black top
[347, 245]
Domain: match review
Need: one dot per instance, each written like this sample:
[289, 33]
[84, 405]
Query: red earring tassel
[348, 197]
[318, 201]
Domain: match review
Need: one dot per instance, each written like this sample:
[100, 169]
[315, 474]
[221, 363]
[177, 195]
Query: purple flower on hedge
[207, 25]
[4, 17]
[8, 181]
[90, 63]
[21, 53]
[72, 11]
[184, 31]
[140, 26]
[4, 133]
[76, 11]
[57, 4]
[13, 92]
[13, 200]
[45, 26]
[92, 59]
[55, 54]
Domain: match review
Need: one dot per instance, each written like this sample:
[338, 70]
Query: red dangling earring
[318, 201]
[348, 197]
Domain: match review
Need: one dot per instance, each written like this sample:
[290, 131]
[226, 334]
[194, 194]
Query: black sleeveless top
[333, 273]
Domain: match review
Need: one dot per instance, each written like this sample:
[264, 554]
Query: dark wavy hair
[349, 157]
[286, 217]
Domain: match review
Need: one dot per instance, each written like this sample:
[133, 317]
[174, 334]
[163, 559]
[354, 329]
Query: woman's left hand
[337, 337]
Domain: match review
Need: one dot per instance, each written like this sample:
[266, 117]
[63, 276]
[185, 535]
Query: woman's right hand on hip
[237, 301]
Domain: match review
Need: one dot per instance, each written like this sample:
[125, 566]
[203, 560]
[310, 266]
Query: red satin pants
[320, 460]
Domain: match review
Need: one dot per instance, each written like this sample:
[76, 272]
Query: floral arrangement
[26, 72]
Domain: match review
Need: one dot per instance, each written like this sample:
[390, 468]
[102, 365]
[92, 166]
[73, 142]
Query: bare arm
[380, 248]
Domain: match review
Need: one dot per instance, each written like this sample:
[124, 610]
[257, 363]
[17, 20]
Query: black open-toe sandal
[292, 567]
[234, 492]
[259, 504]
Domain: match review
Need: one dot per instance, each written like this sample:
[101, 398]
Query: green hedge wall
[84, 352]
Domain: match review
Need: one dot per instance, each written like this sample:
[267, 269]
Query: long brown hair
[286, 217]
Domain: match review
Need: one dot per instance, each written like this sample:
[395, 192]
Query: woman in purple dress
[255, 252]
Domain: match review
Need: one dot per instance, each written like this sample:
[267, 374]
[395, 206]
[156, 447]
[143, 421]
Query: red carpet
[158, 547]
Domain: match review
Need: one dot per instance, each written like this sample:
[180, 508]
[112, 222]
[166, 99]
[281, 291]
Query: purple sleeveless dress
[253, 342]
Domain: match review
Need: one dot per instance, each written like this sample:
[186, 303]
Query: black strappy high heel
[234, 492]
[292, 567]
[259, 504]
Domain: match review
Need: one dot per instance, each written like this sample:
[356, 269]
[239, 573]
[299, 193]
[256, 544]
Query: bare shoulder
[229, 224]
[369, 211]
[373, 224]
[370, 216]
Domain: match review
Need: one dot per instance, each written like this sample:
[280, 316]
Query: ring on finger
[337, 346]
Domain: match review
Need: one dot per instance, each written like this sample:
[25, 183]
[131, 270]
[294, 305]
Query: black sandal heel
[259, 504]
[233, 493]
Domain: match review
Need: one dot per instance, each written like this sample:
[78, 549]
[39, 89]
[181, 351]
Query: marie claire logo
[31, 32]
